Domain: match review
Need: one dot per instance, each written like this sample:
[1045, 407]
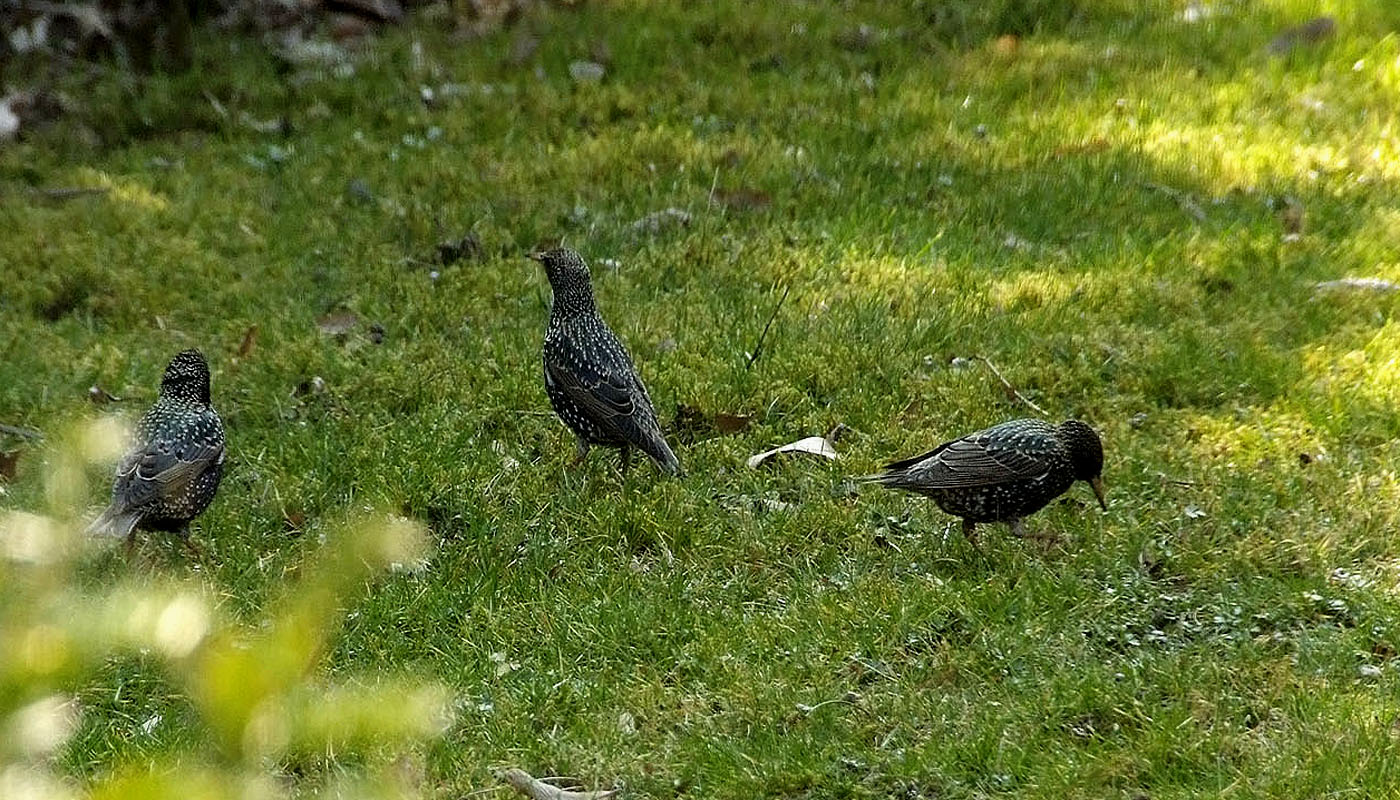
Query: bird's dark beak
[1097, 485]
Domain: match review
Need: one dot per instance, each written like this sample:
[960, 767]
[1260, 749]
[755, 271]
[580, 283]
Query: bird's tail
[893, 478]
[662, 454]
[114, 521]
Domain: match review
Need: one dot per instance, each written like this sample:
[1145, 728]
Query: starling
[173, 470]
[588, 375]
[1004, 473]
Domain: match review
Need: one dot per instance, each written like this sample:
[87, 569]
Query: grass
[1093, 209]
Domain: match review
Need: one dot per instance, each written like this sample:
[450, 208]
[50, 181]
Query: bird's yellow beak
[1097, 485]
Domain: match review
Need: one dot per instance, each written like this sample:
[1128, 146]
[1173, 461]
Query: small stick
[536, 789]
[1187, 203]
[61, 193]
[758, 346]
[23, 433]
[1009, 387]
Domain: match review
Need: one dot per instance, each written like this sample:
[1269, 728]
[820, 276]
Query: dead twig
[23, 433]
[1186, 201]
[61, 193]
[1009, 387]
[758, 346]
[536, 789]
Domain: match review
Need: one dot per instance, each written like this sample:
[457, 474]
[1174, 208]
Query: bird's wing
[607, 389]
[976, 460]
[164, 468]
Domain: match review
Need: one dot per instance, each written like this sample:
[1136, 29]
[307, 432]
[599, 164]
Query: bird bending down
[1004, 473]
[588, 375]
[173, 469]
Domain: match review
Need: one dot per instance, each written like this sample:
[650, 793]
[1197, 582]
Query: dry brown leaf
[9, 461]
[812, 445]
[250, 338]
[536, 789]
[743, 199]
[732, 423]
[338, 323]
[1007, 45]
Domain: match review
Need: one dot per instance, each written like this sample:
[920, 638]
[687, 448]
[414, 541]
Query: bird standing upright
[588, 375]
[173, 470]
[1004, 473]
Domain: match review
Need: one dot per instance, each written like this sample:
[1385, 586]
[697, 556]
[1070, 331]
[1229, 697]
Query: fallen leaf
[8, 463]
[812, 445]
[732, 423]
[338, 323]
[536, 789]
[1366, 284]
[743, 199]
[1311, 32]
[1194, 512]
[666, 217]
[1006, 45]
[250, 338]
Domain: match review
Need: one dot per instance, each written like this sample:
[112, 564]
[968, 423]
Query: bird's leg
[191, 545]
[130, 543]
[970, 531]
[582, 453]
[626, 459]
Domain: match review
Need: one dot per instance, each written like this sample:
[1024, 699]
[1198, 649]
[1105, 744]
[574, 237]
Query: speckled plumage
[172, 471]
[588, 374]
[1004, 473]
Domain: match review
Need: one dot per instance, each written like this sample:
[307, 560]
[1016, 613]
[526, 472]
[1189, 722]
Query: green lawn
[1098, 207]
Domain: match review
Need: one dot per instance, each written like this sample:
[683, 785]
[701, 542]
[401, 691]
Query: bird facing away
[588, 375]
[1004, 473]
[173, 469]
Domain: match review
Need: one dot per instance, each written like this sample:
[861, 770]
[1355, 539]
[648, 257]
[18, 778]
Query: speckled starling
[172, 472]
[1003, 473]
[588, 375]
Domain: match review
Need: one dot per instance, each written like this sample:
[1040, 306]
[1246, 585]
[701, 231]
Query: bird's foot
[581, 456]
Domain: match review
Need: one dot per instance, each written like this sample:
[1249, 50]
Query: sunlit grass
[1098, 207]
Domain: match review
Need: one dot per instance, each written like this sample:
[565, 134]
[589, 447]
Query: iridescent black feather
[172, 471]
[588, 375]
[1003, 473]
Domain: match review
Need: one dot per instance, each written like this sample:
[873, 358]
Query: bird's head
[1085, 455]
[187, 377]
[568, 277]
